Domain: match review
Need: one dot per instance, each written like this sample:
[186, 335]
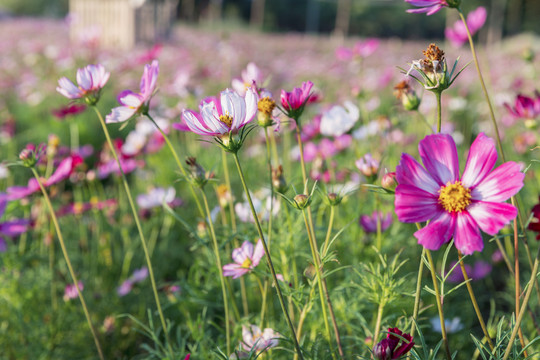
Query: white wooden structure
[121, 23]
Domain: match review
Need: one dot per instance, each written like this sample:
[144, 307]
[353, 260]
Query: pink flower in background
[480, 270]
[361, 49]
[293, 102]
[221, 116]
[70, 291]
[429, 7]
[525, 107]
[534, 225]
[368, 166]
[90, 79]
[133, 103]
[456, 206]
[458, 33]
[246, 258]
[138, 276]
[255, 339]
[11, 227]
[251, 75]
[65, 111]
[369, 222]
[79, 208]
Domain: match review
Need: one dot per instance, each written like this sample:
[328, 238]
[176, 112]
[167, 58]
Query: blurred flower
[11, 227]
[429, 7]
[93, 204]
[409, 99]
[388, 348]
[361, 49]
[458, 33]
[369, 222]
[338, 120]
[31, 154]
[138, 276]
[243, 210]
[132, 103]
[251, 75]
[294, 102]
[456, 206]
[255, 339]
[245, 259]
[479, 271]
[155, 197]
[109, 324]
[368, 166]
[72, 109]
[389, 181]
[525, 107]
[4, 172]
[70, 291]
[451, 326]
[534, 225]
[90, 79]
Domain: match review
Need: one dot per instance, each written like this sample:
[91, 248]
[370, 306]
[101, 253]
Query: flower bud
[382, 351]
[31, 155]
[409, 98]
[389, 181]
[302, 201]
[278, 181]
[368, 166]
[334, 199]
[199, 176]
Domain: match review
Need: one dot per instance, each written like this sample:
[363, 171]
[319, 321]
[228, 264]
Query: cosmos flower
[133, 103]
[137, 276]
[478, 271]
[246, 258]
[294, 102]
[65, 111]
[388, 348]
[457, 34]
[361, 49]
[339, 119]
[251, 75]
[12, 227]
[90, 79]
[534, 225]
[369, 222]
[525, 107]
[221, 116]
[156, 197]
[255, 339]
[429, 7]
[70, 291]
[456, 206]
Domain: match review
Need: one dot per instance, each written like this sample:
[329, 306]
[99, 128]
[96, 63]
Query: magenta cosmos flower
[458, 33]
[246, 258]
[456, 206]
[133, 103]
[388, 348]
[221, 116]
[90, 79]
[293, 102]
[525, 107]
[429, 7]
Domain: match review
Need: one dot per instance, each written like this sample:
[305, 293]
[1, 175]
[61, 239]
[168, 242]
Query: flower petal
[437, 232]
[439, 155]
[14, 227]
[467, 235]
[195, 123]
[234, 270]
[501, 184]
[242, 253]
[414, 205]
[251, 100]
[233, 105]
[410, 172]
[257, 254]
[480, 161]
[492, 217]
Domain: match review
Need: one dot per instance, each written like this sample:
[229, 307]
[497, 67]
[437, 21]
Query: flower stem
[439, 304]
[178, 162]
[516, 279]
[220, 268]
[268, 257]
[418, 290]
[329, 231]
[317, 264]
[439, 110]
[378, 322]
[139, 227]
[68, 262]
[522, 310]
[473, 300]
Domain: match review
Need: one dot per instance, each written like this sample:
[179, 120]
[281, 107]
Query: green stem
[439, 304]
[220, 268]
[179, 163]
[523, 306]
[439, 110]
[378, 322]
[139, 227]
[68, 262]
[418, 290]
[329, 231]
[268, 258]
[473, 300]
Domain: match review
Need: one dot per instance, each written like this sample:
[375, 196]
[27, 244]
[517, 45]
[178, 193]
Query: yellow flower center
[246, 264]
[266, 105]
[226, 119]
[454, 197]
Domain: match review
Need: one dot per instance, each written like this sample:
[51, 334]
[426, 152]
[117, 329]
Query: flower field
[232, 194]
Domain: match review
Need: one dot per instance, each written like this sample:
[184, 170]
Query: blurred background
[371, 18]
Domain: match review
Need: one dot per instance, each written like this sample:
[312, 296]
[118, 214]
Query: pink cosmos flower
[251, 75]
[293, 102]
[12, 227]
[476, 272]
[456, 206]
[255, 339]
[73, 109]
[245, 259]
[369, 222]
[138, 276]
[90, 80]
[70, 291]
[525, 107]
[133, 103]
[63, 171]
[221, 116]
[458, 33]
[388, 348]
[361, 49]
[429, 7]
[367, 165]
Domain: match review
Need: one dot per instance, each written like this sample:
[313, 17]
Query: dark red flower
[388, 348]
[68, 110]
[534, 225]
